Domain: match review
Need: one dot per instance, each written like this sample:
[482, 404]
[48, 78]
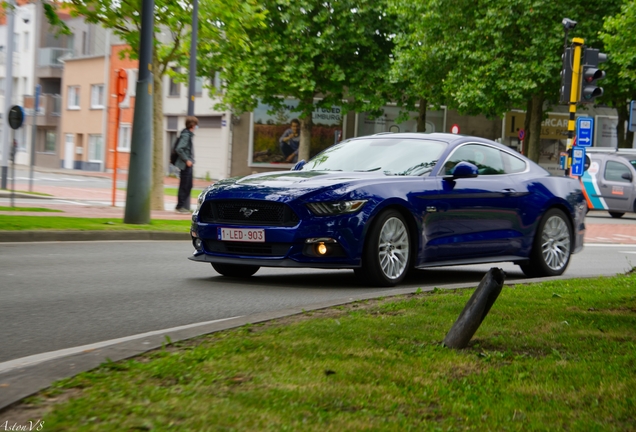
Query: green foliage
[304, 49]
[124, 19]
[620, 39]
[491, 55]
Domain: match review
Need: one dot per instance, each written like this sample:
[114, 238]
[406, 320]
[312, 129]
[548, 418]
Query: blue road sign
[632, 116]
[578, 161]
[584, 131]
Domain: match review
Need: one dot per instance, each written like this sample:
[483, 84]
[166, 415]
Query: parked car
[386, 203]
[610, 181]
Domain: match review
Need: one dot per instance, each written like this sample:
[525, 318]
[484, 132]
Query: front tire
[387, 252]
[552, 246]
[616, 215]
[235, 270]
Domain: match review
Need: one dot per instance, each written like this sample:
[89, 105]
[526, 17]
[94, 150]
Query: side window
[614, 171]
[513, 164]
[487, 159]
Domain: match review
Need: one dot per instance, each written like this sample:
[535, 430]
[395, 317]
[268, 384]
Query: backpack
[173, 154]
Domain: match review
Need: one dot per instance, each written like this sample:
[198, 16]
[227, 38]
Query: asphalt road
[63, 295]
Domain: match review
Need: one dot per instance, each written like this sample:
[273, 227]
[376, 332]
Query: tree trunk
[305, 137]
[156, 195]
[625, 138]
[526, 127]
[536, 115]
[421, 118]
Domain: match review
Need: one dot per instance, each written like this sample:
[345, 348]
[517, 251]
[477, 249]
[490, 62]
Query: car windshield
[391, 156]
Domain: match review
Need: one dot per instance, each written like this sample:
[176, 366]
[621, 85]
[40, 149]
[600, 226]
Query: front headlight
[336, 207]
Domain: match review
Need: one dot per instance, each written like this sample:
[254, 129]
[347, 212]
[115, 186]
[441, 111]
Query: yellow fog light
[321, 248]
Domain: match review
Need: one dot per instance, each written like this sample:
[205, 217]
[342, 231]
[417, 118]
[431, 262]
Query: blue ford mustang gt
[386, 203]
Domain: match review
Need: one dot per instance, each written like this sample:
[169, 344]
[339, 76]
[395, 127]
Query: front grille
[246, 212]
[240, 248]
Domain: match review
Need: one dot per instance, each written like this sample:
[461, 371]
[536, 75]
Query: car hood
[291, 184]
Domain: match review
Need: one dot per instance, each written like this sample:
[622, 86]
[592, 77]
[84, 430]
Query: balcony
[49, 110]
[50, 62]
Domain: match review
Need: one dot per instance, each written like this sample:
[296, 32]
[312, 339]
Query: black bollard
[476, 309]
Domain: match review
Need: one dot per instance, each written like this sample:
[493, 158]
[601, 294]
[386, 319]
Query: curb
[59, 236]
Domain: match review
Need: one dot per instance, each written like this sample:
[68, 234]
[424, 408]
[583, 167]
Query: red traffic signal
[591, 73]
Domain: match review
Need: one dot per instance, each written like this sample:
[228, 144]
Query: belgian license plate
[241, 235]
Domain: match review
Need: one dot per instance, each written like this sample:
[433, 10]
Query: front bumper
[284, 246]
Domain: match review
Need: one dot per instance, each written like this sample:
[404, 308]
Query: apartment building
[23, 71]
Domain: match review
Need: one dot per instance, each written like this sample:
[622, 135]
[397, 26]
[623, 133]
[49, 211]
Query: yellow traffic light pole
[575, 93]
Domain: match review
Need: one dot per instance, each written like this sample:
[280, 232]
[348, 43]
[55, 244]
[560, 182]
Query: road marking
[40, 358]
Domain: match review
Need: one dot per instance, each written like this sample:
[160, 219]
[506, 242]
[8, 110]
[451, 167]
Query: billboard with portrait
[274, 136]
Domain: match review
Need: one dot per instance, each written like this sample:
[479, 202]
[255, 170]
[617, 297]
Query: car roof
[436, 136]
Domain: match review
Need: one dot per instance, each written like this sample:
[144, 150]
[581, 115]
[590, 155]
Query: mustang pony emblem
[247, 212]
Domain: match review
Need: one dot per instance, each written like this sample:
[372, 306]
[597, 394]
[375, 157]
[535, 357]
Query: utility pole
[193, 56]
[8, 86]
[140, 167]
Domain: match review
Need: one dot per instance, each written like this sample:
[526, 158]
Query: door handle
[508, 191]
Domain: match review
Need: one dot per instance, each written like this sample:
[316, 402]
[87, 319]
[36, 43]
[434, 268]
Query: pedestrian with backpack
[184, 161]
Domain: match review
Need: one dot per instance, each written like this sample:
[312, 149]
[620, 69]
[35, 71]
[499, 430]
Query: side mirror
[627, 176]
[299, 165]
[463, 170]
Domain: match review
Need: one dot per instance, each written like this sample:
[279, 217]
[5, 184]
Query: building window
[49, 143]
[125, 134]
[26, 41]
[95, 143]
[16, 42]
[97, 96]
[174, 88]
[73, 97]
[198, 86]
[132, 81]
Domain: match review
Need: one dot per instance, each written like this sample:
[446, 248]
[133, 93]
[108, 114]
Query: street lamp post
[8, 86]
[193, 57]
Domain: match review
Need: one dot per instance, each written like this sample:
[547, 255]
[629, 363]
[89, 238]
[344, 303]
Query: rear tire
[616, 215]
[552, 246]
[235, 270]
[387, 251]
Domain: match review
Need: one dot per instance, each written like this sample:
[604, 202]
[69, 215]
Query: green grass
[15, 223]
[175, 191]
[553, 356]
[29, 209]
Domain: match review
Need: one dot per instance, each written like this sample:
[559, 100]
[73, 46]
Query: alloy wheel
[555, 243]
[393, 248]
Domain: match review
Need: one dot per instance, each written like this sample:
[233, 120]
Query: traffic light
[591, 73]
[566, 76]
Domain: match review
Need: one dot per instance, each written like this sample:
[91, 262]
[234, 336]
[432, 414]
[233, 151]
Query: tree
[338, 51]
[502, 54]
[124, 18]
[619, 39]
[418, 66]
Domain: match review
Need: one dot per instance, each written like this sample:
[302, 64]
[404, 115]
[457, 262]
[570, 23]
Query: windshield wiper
[369, 170]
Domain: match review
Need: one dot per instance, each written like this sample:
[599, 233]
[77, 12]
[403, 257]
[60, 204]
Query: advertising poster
[275, 135]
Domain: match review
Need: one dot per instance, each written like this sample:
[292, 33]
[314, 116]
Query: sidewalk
[83, 201]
